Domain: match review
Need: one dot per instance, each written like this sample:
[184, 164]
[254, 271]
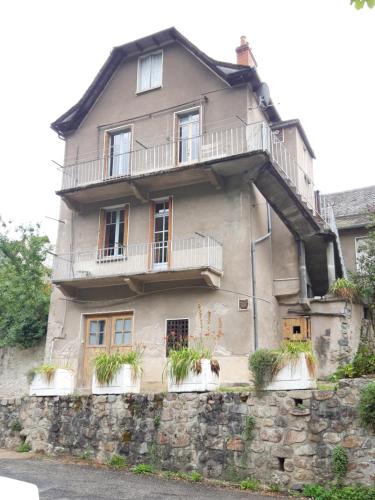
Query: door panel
[109, 333]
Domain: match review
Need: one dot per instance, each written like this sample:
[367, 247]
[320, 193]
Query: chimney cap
[243, 40]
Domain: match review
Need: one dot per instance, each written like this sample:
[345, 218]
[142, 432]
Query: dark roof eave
[69, 121]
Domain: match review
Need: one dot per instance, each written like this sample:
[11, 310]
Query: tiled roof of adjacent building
[352, 208]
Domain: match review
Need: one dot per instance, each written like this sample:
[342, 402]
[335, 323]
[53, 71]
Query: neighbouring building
[353, 211]
[182, 186]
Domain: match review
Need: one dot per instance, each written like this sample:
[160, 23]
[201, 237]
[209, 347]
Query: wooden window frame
[87, 331]
[176, 135]
[102, 232]
[113, 329]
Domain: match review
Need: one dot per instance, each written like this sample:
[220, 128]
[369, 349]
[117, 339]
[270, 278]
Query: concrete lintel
[211, 279]
[72, 205]
[68, 291]
[134, 285]
[138, 193]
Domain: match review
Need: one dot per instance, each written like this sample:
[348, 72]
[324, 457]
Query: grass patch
[236, 389]
[318, 492]
[116, 462]
[24, 448]
[249, 484]
[143, 469]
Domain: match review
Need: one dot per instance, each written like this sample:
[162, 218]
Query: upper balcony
[139, 265]
[206, 157]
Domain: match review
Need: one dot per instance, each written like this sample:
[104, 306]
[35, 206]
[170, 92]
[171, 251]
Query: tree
[364, 277]
[25, 287]
[359, 4]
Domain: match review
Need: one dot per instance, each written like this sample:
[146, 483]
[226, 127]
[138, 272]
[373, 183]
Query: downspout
[302, 270]
[253, 275]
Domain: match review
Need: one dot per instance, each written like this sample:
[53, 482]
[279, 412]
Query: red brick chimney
[244, 54]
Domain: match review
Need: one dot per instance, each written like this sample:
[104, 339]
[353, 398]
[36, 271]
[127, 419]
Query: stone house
[182, 187]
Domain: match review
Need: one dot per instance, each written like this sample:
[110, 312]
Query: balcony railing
[211, 145]
[130, 260]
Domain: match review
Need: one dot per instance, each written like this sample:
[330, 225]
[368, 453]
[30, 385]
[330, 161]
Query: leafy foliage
[339, 463]
[24, 285]
[290, 352]
[318, 492]
[47, 371]
[265, 363]
[262, 363]
[108, 365]
[181, 361]
[143, 469]
[364, 277]
[249, 484]
[116, 462]
[359, 4]
[367, 406]
[195, 476]
[343, 288]
[23, 448]
[249, 427]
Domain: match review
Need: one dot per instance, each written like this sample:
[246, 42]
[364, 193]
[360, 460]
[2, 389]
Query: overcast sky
[316, 56]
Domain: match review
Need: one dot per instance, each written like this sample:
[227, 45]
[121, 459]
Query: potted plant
[193, 368]
[50, 380]
[343, 289]
[292, 366]
[117, 373]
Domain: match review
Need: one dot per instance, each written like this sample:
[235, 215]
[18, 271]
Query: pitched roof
[352, 208]
[232, 73]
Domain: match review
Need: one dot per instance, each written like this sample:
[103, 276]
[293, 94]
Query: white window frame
[107, 133]
[176, 135]
[140, 59]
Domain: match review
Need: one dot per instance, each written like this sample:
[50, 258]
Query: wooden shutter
[126, 225]
[170, 231]
[151, 233]
[101, 233]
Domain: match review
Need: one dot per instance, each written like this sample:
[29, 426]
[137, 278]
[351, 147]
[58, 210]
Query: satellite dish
[264, 95]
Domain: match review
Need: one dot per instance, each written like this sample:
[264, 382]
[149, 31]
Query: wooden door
[105, 333]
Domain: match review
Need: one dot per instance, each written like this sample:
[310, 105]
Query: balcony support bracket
[134, 286]
[214, 178]
[138, 193]
[211, 279]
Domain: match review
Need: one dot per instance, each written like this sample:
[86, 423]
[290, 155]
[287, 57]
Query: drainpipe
[302, 269]
[253, 274]
[331, 268]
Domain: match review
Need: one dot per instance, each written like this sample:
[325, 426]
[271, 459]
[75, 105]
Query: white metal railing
[173, 255]
[211, 145]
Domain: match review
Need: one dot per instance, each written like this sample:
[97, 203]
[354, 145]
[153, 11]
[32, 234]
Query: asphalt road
[61, 481]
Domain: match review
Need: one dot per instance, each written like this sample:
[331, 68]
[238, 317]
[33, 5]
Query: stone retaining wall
[291, 443]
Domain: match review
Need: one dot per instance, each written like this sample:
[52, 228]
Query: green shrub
[346, 371]
[16, 426]
[108, 365]
[181, 361]
[142, 469]
[249, 427]
[116, 462]
[339, 463]
[343, 288]
[289, 353]
[367, 406]
[157, 420]
[364, 361]
[23, 448]
[249, 484]
[195, 476]
[261, 364]
[318, 492]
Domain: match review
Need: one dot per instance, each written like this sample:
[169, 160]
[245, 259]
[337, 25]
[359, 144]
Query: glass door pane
[119, 160]
[161, 234]
[188, 150]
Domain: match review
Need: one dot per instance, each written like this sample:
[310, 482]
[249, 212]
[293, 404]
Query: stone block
[273, 435]
[235, 444]
[292, 437]
[323, 395]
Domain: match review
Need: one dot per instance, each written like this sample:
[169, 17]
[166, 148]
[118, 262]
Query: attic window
[150, 70]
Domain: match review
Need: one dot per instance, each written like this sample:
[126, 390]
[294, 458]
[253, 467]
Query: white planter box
[292, 377]
[207, 380]
[61, 384]
[121, 384]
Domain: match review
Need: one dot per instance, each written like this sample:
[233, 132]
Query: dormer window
[150, 70]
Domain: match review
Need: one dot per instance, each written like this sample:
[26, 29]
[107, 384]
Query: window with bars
[177, 334]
